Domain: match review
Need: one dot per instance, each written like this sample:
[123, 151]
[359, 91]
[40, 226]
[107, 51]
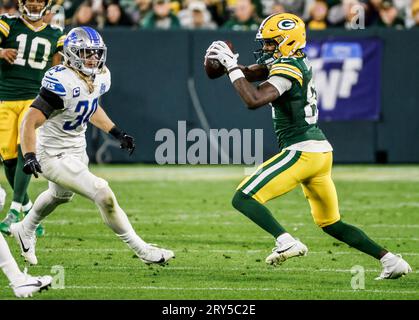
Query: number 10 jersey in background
[36, 47]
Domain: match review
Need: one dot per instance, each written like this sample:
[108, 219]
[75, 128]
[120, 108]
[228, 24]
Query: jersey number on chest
[85, 111]
[36, 43]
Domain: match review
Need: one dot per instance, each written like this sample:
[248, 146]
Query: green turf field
[219, 253]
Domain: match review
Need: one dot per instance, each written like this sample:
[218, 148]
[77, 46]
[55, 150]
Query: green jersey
[295, 112]
[36, 47]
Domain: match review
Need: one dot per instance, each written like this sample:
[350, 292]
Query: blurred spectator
[196, 16]
[176, 6]
[277, 8]
[85, 16]
[350, 14]
[354, 13]
[230, 14]
[70, 8]
[318, 15]
[244, 17]
[139, 10]
[415, 13]
[161, 16]
[9, 7]
[386, 14]
[218, 11]
[116, 16]
[294, 6]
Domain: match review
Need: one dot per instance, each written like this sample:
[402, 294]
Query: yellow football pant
[11, 116]
[283, 172]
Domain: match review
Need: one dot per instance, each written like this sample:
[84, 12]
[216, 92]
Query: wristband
[29, 155]
[116, 132]
[235, 74]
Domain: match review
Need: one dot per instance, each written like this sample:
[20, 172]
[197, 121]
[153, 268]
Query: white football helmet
[84, 50]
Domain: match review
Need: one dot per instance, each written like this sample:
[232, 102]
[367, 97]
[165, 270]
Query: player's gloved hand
[8, 54]
[221, 51]
[127, 141]
[31, 165]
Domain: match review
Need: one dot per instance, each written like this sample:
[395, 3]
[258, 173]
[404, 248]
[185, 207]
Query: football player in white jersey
[68, 100]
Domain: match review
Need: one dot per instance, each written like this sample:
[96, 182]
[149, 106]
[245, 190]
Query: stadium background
[158, 69]
[153, 93]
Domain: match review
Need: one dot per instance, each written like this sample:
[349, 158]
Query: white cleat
[288, 250]
[27, 244]
[28, 285]
[394, 267]
[152, 254]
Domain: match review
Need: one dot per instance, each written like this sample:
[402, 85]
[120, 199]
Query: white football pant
[68, 173]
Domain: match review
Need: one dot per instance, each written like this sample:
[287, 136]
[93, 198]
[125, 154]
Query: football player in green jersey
[306, 157]
[28, 48]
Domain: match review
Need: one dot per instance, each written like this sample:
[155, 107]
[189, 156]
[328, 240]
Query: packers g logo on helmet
[288, 32]
[286, 24]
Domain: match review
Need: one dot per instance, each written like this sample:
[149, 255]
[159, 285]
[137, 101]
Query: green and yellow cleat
[11, 217]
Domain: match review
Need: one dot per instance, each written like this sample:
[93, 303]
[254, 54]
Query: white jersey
[65, 128]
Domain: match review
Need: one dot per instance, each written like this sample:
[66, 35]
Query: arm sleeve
[281, 84]
[47, 102]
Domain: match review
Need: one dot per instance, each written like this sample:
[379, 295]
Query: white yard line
[261, 269]
[235, 174]
[235, 289]
[213, 236]
[185, 221]
[201, 251]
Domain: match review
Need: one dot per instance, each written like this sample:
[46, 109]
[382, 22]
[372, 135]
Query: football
[213, 68]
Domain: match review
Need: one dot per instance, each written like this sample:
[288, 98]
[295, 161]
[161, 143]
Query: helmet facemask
[267, 57]
[33, 16]
[83, 53]
[89, 61]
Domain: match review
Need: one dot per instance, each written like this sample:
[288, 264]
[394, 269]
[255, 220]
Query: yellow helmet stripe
[287, 68]
[288, 73]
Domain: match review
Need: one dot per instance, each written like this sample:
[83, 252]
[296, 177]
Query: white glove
[221, 51]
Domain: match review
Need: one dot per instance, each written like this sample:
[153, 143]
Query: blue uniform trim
[52, 79]
[55, 87]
